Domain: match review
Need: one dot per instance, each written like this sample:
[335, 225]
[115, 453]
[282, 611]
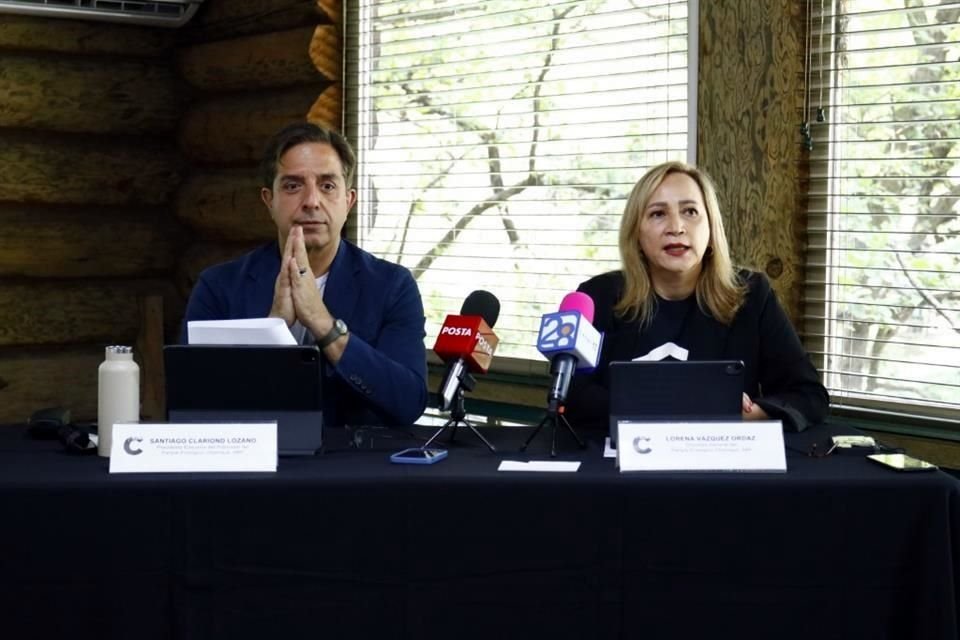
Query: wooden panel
[37, 378]
[525, 395]
[232, 18]
[75, 169]
[280, 59]
[944, 453]
[202, 255]
[87, 95]
[235, 130]
[149, 351]
[750, 109]
[225, 205]
[26, 33]
[76, 312]
[62, 242]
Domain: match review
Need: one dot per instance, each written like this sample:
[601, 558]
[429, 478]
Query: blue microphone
[569, 340]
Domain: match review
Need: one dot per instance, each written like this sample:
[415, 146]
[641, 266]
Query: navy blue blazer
[381, 378]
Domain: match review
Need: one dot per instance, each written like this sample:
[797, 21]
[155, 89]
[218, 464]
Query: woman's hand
[752, 411]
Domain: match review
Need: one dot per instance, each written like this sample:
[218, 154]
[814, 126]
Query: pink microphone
[578, 301]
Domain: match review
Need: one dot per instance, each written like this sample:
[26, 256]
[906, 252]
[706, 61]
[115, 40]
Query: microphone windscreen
[578, 301]
[484, 304]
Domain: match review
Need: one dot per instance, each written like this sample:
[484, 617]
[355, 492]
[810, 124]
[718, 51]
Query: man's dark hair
[303, 133]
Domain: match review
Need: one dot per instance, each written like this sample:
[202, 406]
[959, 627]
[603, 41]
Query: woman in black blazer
[677, 287]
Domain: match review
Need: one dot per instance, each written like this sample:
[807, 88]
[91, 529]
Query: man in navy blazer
[364, 313]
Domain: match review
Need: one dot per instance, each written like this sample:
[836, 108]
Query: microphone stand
[458, 413]
[562, 368]
[554, 416]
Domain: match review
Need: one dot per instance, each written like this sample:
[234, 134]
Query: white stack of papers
[247, 331]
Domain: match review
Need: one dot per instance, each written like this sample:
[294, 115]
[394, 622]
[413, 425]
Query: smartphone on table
[417, 455]
[901, 462]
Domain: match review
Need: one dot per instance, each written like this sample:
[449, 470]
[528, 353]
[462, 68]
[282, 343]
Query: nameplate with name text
[197, 447]
[747, 446]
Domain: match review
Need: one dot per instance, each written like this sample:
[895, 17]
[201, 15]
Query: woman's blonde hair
[720, 291]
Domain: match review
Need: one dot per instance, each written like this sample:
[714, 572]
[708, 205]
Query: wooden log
[64, 242]
[27, 33]
[225, 205]
[88, 95]
[202, 255]
[235, 130]
[327, 109]
[77, 312]
[32, 379]
[325, 52]
[279, 59]
[333, 9]
[748, 139]
[221, 20]
[150, 343]
[86, 170]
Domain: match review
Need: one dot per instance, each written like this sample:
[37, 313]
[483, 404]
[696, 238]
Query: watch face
[339, 329]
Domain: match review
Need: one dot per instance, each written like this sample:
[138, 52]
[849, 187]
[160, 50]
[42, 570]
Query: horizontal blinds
[883, 271]
[498, 140]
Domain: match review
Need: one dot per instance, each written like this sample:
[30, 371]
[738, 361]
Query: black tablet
[675, 390]
[227, 383]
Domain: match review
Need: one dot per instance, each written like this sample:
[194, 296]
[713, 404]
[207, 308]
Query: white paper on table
[539, 465]
[269, 331]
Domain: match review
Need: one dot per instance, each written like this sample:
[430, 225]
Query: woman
[677, 285]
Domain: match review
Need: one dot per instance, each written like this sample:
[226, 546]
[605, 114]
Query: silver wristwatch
[339, 329]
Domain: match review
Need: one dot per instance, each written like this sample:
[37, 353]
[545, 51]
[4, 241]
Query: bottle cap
[119, 349]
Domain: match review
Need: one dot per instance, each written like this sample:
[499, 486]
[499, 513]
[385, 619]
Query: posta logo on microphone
[467, 337]
[482, 345]
[456, 331]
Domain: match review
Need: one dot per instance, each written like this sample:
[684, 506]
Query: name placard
[163, 448]
[701, 446]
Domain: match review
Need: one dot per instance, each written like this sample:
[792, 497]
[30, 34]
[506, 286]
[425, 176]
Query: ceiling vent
[160, 13]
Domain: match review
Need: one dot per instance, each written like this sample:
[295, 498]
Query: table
[347, 545]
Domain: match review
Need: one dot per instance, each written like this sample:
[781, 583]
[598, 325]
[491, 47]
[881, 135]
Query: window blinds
[883, 287]
[498, 140]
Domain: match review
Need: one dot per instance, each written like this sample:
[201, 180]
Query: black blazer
[778, 373]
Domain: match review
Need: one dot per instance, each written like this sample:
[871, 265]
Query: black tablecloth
[348, 545]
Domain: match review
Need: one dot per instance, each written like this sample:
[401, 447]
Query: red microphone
[467, 342]
[467, 337]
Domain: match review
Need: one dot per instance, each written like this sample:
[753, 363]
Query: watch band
[339, 329]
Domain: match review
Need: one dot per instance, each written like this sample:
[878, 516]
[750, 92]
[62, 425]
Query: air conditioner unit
[157, 13]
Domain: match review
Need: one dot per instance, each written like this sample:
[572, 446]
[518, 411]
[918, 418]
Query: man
[364, 313]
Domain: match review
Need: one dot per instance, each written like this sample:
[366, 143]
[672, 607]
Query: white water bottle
[118, 394]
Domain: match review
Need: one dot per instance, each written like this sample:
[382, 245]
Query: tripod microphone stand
[553, 417]
[458, 413]
[562, 368]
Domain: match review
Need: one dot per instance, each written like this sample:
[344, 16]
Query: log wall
[254, 66]
[127, 165]
[88, 172]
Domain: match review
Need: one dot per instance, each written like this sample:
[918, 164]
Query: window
[498, 140]
[883, 319]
